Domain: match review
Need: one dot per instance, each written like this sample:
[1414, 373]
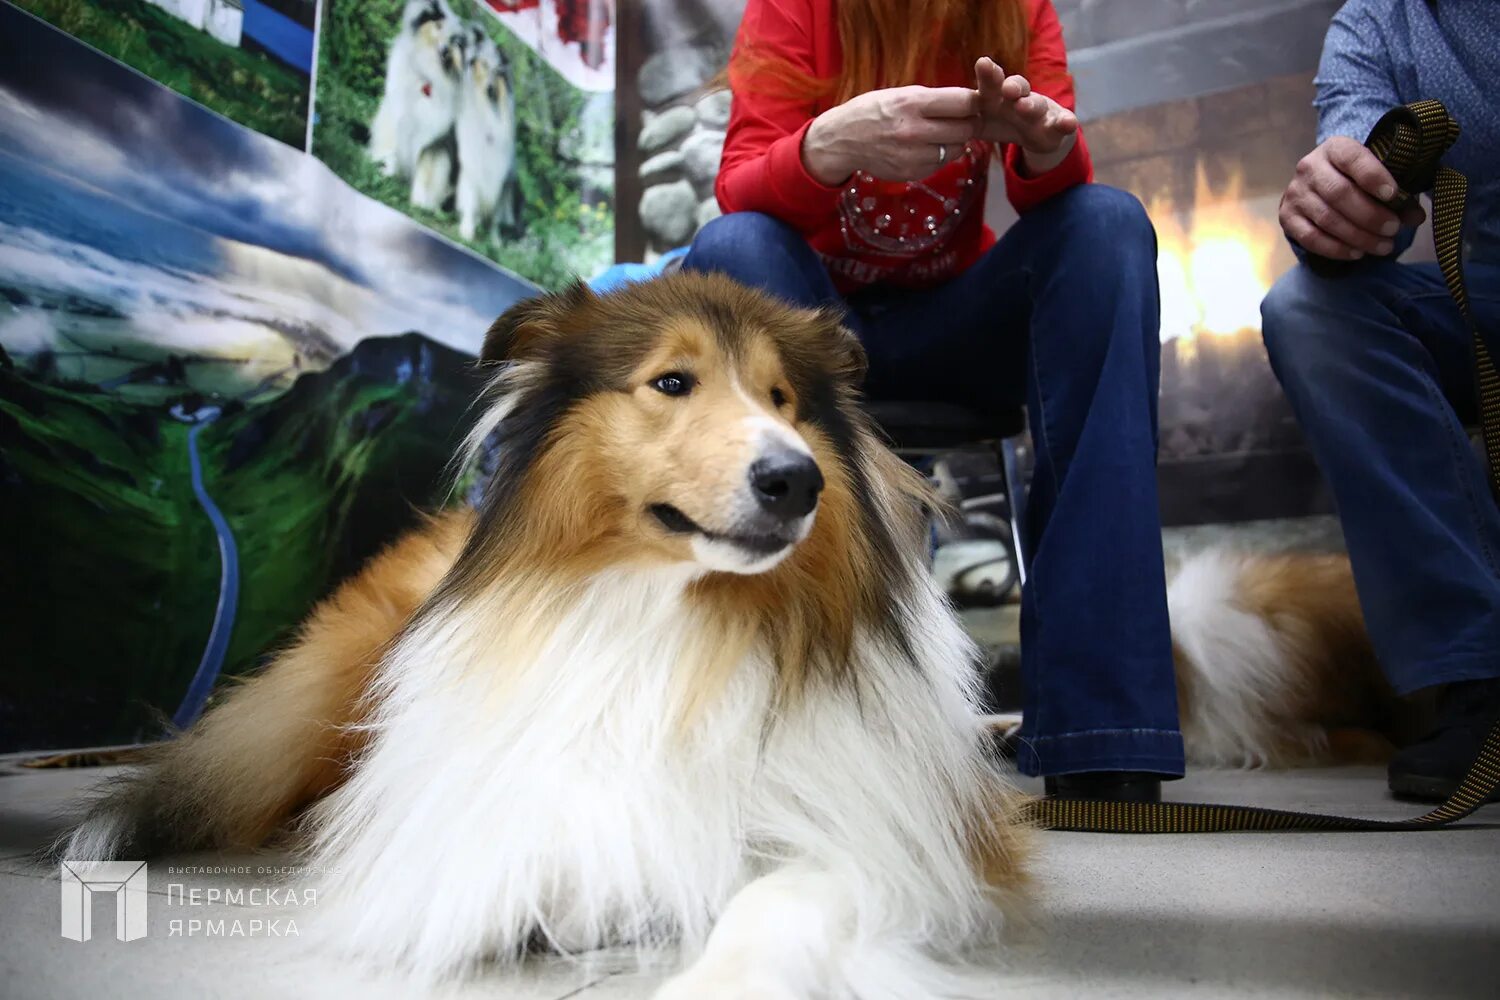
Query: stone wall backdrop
[672, 133]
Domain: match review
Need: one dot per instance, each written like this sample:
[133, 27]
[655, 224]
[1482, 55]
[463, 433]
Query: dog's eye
[778, 398]
[673, 384]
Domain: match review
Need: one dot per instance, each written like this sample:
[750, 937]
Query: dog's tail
[280, 739]
[1274, 666]
[232, 778]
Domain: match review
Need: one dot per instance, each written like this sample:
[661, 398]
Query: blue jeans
[1378, 368]
[1061, 315]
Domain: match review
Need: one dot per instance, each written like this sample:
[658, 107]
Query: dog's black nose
[786, 483]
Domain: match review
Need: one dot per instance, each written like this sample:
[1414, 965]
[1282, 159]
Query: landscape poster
[226, 379]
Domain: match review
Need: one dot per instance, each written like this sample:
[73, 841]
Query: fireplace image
[1215, 264]
[1227, 435]
[1202, 110]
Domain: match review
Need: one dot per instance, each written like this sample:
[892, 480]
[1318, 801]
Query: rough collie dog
[1274, 666]
[683, 676]
[422, 77]
[486, 133]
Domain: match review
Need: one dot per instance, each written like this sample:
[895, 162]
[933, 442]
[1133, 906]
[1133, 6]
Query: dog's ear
[523, 328]
[849, 360]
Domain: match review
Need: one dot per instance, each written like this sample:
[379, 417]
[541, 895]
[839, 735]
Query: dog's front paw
[722, 984]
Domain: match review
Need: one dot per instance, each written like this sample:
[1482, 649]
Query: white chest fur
[498, 799]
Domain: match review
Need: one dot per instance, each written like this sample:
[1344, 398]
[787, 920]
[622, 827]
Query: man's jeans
[1062, 315]
[1378, 367]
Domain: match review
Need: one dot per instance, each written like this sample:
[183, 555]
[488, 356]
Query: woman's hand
[1044, 130]
[899, 134]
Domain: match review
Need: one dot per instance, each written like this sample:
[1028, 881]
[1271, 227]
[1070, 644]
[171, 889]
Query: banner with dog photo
[492, 123]
[226, 380]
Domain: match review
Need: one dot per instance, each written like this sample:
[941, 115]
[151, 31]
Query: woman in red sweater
[855, 172]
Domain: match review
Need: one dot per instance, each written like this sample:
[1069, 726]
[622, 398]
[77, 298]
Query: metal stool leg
[1015, 490]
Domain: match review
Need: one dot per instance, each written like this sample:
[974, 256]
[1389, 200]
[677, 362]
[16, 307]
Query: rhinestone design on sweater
[910, 218]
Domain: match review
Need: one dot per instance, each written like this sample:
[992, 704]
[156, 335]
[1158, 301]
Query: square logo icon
[82, 879]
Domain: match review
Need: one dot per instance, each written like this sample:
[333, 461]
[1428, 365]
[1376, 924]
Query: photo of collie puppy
[486, 140]
[419, 104]
[681, 678]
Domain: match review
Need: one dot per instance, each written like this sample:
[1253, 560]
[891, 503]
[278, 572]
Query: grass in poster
[248, 87]
[110, 625]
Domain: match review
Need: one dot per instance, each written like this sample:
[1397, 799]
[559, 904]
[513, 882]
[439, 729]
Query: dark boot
[1431, 769]
[1111, 786]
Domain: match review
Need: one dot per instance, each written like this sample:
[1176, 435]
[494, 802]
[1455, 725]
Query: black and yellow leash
[1410, 141]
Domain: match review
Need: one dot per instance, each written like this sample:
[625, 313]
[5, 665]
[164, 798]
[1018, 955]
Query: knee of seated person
[1299, 318]
[1113, 216]
[726, 243]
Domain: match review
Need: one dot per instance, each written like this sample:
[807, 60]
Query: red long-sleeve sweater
[870, 231]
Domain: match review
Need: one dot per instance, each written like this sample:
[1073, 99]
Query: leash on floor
[1410, 141]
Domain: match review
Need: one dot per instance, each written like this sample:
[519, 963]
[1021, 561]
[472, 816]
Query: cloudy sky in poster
[203, 234]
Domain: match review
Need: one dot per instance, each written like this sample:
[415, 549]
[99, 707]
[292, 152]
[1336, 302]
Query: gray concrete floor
[1320, 915]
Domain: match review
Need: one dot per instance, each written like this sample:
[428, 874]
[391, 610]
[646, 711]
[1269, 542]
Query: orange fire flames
[1216, 266]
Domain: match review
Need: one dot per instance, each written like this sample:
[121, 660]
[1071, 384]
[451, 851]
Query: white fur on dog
[1235, 663]
[830, 840]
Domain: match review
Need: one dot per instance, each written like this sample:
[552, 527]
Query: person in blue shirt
[1377, 363]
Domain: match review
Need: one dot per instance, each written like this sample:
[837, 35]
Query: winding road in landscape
[217, 647]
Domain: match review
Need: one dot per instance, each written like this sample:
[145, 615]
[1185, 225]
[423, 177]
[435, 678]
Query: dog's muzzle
[775, 512]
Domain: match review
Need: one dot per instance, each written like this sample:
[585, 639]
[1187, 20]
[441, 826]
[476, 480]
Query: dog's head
[453, 51]
[489, 73]
[439, 35]
[686, 419]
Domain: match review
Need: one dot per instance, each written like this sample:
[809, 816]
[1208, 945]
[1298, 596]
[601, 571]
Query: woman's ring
[942, 154]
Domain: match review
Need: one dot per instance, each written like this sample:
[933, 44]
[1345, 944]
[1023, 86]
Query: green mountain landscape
[249, 87]
[112, 566]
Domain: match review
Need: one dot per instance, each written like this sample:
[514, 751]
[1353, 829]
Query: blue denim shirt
[1381, 53]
